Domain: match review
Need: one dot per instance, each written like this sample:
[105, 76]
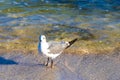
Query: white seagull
[52, 49]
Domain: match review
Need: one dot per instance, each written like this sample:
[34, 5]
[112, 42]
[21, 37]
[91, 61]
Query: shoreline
[90, 67]
[89, 41]
[67, 51]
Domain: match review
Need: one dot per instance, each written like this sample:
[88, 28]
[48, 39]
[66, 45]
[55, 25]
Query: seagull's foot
[46, 64]
[49, 66]
[52, 66]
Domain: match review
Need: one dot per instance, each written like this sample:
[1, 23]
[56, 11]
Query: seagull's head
[42, 38]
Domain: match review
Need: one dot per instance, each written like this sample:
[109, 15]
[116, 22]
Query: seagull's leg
[47, 61]
[51, 63]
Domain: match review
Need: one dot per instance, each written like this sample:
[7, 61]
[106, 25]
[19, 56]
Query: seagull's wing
[57, 47]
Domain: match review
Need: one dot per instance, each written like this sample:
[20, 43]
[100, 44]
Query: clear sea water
[92, 14]
[65, 12]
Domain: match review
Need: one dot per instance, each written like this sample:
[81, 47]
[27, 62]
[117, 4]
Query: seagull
[52, 49]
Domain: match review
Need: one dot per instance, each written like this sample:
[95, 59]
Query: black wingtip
[71, 42]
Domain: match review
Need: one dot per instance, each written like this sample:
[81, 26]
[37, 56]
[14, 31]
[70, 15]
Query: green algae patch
[89, 41]
[88, 47]
[13, 10]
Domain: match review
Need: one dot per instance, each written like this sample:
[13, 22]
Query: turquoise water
[61, 12]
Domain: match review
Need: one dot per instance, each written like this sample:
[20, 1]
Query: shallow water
[73, 13]
[58, 18]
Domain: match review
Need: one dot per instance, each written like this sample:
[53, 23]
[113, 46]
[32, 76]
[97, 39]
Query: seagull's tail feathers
[71, 42]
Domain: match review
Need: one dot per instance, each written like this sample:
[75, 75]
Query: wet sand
[18, 66]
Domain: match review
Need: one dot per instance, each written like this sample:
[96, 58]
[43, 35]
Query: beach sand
[19, 66]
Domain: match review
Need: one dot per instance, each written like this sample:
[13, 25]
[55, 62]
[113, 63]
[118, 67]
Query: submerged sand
[18, 66]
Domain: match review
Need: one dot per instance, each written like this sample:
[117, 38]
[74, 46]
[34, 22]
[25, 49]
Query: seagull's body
[52, 49]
